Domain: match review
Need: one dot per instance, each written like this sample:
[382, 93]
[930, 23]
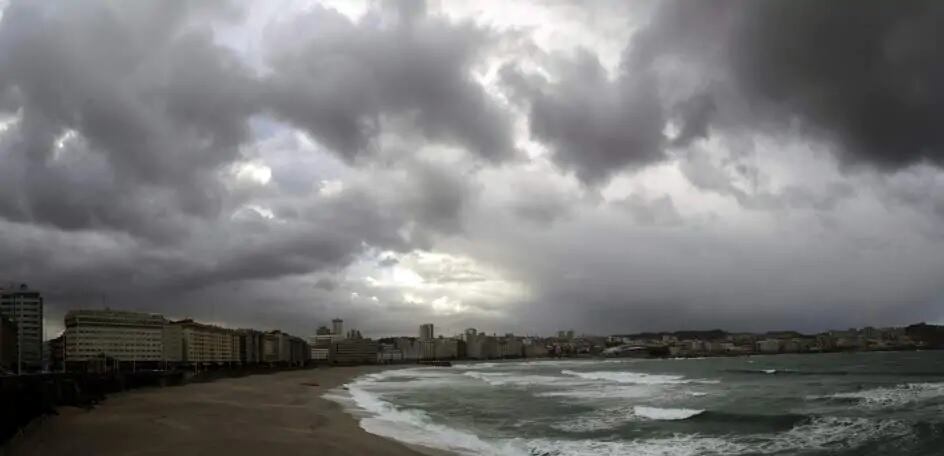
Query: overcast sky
[515, 166]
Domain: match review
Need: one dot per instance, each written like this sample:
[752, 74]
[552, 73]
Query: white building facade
[120, 335]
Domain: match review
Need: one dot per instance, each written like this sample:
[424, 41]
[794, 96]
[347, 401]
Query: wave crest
[635, 377]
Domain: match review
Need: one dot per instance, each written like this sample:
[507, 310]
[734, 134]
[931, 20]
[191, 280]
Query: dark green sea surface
[858, 404]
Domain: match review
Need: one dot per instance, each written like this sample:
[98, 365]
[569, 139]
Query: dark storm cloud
[695, 114]
[863, 75]
[594, 125]
[866, 75]
[157, 109]
[122, 122]
[153, 105]
[339, 79]
[128, 126]
[437, 196]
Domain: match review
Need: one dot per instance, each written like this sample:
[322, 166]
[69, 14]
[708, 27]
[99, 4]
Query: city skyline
[511, 165]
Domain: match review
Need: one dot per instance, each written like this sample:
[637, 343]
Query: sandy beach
[279, 414]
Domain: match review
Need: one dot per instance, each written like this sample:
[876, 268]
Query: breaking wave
[889, 397]
[818, 434]
[668, 414]
[635, 377]
[502, 379]
[612, 418]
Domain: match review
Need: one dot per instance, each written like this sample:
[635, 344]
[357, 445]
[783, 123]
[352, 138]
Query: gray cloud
[121, 122]
[865, 75]
[339, 79]
[594, 125]
[154, 105]
[388, 261]
[656, 211]
[357, 167]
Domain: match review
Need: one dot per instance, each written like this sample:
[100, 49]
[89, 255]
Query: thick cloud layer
[863, 74]
[340, 80]
[595, 126]
[516, 166]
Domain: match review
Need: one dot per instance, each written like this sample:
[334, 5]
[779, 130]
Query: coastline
[281, 413]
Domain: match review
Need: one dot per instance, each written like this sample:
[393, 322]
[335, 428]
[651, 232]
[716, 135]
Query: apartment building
[7, 344]
[24, 307]
[282, 348]
[202, 343]
[119, 335]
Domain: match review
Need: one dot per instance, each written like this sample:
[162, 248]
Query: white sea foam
[830, 433]
[605, 392]
[416, 427]
[821, 434]
[895, 396]
[667, 414]
[598, 420]
[681, 445]
[503, 378]
[514, 365]
[635, 377]
[612, 418]
[494, 379]
[412, 378]
[476, 365]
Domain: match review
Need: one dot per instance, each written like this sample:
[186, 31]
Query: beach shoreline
[281, 413]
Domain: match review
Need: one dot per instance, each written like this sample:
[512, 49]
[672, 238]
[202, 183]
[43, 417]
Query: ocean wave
[890, 397]
[836, 373]
[781, 421]
[665, 414]
[831, 433]
[502, 379]
[598, 420]
[635, 377]
[411, 378]
[476, 365]
[818, 434]
[681, 445]
[542, 362]
[494, 379]
[611, 418]
[416, 427]
[604, 392]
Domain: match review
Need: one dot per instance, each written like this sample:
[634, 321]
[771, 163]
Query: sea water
[828, 404]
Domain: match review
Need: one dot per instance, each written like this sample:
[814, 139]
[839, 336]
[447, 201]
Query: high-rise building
[56, 353]
[337, 327]
[250, 346]
[116, 334]
[207, 343]
[279, 347]
[426, 331]
[24, 307]
[7, 344]
[567, 335]
[470, 334]
[362, 351]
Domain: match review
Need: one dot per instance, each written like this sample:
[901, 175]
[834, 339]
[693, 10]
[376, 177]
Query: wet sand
[277, 414]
